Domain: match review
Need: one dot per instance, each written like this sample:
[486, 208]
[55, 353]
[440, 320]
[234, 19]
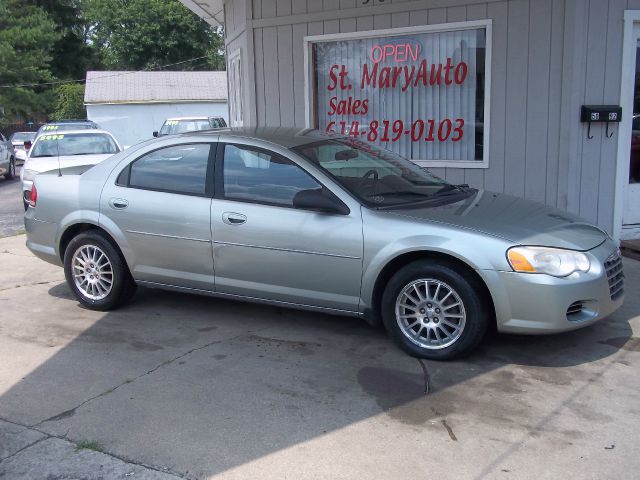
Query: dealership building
[534, 98]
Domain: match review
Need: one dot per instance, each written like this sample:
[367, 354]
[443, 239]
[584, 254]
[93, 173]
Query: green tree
[73, 53]
[27, 35]
[146, 34]
[69, 102]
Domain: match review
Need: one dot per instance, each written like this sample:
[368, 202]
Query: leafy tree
[73, 53]
[69, 102]
[146, 34]
[27, 35]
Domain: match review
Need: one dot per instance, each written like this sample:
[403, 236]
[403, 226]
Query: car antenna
[58, 153]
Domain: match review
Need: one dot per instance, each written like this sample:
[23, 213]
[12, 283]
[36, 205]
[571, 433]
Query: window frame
[219, 177]
[209, 187]
[487, 24]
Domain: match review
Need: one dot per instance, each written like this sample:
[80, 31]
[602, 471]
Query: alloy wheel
[430, 313]
[92, 272]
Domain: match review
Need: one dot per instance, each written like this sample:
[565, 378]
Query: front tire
[96, 272]
[434, 311]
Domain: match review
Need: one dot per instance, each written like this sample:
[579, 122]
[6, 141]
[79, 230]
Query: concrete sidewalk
[178, 386]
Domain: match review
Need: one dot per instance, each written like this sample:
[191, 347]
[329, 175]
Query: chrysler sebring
[318, 222]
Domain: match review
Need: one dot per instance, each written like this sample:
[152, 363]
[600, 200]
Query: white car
[172, 126]
[70, 148]
[18, 140]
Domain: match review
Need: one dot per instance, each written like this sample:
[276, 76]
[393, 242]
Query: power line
[60, 82]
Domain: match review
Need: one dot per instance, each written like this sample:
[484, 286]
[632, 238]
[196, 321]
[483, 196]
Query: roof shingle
[143, 87]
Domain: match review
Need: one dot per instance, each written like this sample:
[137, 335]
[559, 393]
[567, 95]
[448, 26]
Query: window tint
[49, 145]
[260, 176]
[180, 169]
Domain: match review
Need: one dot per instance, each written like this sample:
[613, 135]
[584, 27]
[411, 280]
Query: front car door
[265, 248]
[161, 204]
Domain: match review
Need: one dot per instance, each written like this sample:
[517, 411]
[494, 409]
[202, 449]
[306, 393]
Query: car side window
[261, 176]
[176, 169]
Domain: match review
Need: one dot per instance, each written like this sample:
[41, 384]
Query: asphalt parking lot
[177, 386]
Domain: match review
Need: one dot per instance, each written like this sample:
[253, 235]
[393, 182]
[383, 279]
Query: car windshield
[181, 126]
[51, 145]
[22, 136]
[378, 177]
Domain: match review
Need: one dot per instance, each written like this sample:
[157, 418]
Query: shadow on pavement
[201, 385]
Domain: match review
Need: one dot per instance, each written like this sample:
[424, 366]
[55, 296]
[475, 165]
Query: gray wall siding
[548, 58]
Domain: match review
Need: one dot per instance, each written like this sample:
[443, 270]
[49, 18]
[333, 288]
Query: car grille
[615, 275]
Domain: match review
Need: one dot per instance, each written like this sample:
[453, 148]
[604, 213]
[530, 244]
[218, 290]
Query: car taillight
[34, 196]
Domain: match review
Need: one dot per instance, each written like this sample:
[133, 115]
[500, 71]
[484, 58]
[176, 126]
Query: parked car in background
[18, 140]
[306, 220]
[70, 148]
[7, 158]
[172, 126]
[63, 125]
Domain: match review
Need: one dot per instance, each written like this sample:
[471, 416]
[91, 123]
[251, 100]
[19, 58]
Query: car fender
[461, 248]
[72, 218]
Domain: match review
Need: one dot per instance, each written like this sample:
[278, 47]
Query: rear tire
[97, 273]
[11, 173]
[434, 310]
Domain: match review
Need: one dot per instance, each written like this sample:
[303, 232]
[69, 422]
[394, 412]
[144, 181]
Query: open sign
[398, 52]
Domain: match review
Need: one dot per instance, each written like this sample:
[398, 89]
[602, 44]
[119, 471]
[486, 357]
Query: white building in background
[131, 105]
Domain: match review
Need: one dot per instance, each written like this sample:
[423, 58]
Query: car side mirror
[155, 134]
[27, 145]
[319, 200]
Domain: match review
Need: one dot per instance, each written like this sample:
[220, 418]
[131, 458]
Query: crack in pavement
[545, 420]
[48, 436]
[16, 254]
[23, 448]
[425, 372]
[28, 285]
[72, 411]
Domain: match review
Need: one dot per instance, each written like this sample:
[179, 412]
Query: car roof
[204, 117]
[63, 122]
[287, 137]
[84, 131]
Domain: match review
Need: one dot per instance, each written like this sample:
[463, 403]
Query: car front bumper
[538, 303]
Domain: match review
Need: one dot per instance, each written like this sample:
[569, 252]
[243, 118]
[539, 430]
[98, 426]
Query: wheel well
[78, 228]
[405, 259]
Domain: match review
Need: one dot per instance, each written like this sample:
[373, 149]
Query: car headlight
[29, 175]
[552, 261]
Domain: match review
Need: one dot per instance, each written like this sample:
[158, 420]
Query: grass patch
[88, 445]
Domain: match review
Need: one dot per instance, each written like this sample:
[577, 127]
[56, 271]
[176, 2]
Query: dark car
[53, 127]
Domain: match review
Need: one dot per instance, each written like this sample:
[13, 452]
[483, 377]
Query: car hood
[44, 164]
[520, 221]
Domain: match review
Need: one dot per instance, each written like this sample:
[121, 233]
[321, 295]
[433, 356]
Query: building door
[631, 213]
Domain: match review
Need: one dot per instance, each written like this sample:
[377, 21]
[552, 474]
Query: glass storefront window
[421, 94]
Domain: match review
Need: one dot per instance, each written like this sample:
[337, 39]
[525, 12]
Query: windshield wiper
[388, 194]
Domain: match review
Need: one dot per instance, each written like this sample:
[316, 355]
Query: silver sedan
[311, 221]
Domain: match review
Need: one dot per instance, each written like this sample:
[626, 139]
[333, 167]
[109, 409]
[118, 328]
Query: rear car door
[265, 248]
[161, 203]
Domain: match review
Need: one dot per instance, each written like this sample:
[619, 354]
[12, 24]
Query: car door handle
[231, 218]
[118, 203]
